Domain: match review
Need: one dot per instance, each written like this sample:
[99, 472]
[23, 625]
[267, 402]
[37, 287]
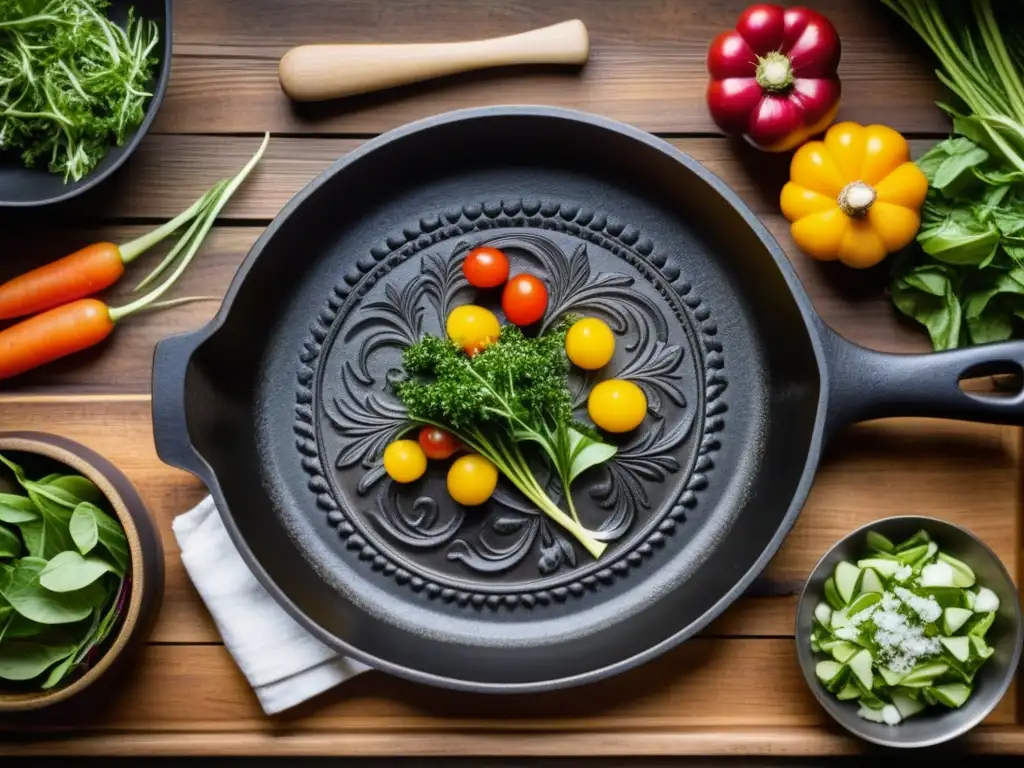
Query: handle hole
[996, 379]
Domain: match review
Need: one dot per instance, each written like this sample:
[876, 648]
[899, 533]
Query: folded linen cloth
[283, 663]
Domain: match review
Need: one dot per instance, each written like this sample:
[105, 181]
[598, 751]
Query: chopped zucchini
[911, 556]
[946, 597]
[986, 601]
[919, 538]
[963, 576]
[840, 619]
[849, 691]
[815, 648]
[848, 634]
[980, 623]
[937, 575]
[924, 674]
[951, 694]
[879, 543]
[969, 599]
[874, 715]
[870, 582]
[823, 614]
[885, 568]
[827, 671]
[860, 666]
[981, 649]
[843, 651]
[907, 705]
[890, 677]
[928, 697]
[832, 595]
[959, 647]
[867, 697]
[954, 618]
[846, 576]
[863, 601]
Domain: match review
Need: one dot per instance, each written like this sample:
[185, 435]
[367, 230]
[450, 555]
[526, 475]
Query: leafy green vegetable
[56, 604]
[963, 284]
[72, 82]
[514, 392]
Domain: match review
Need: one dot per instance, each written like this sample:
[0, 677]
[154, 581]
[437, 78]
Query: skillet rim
[815, 327]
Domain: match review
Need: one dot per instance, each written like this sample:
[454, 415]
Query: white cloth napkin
[283, 663]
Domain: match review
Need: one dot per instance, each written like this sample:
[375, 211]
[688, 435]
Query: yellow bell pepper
[855, 196]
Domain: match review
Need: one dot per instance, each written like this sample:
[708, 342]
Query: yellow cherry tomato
[472, 479]
[405, 461]
[617, 405]
[473, 328]
[855, 196]
[590, 343]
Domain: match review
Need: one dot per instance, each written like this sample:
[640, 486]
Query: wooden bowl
[40, 454]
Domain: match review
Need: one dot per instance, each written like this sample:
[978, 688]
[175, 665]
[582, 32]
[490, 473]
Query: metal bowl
[22, 187]
[1006, 635]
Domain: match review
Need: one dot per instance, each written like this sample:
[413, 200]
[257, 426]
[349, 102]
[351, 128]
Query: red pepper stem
[774, 72]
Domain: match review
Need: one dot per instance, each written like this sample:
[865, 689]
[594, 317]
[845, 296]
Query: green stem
[119, 313]
[1000, 56]
[135, 248]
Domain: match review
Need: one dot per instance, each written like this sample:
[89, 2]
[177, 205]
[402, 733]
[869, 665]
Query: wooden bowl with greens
[81, 569]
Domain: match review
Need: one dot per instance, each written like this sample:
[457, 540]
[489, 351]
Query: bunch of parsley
[72, 82]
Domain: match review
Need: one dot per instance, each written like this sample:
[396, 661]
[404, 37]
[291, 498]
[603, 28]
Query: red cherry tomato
[525, 300]
[437, 443]
[485, 267]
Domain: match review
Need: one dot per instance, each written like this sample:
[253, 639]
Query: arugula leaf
[926, 294]
[90, 524]
[21, 588]
[69, 571]
[24, 660]
[10, 544]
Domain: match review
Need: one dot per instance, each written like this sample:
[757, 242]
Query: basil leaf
[52, 493]
[84, 530]
[21, 660]
[21, 588]
[926, 295]
[78, 487]
[69, 571]
[10, 544]
[108, 532]
[16, 509]
[586, 453]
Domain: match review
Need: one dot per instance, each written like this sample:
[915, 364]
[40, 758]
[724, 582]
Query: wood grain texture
[646, 66]
[965, 473]
[704, 683]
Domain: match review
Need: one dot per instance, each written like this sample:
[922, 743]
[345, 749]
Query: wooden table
[735, 689]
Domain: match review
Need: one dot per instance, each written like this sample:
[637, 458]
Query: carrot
[83, 323]
[52, 335]
[91, 269]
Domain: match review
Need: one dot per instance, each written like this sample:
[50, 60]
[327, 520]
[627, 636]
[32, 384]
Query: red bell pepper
[773, 78]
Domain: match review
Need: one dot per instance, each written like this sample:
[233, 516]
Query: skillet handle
[865, 384]
[170, 427]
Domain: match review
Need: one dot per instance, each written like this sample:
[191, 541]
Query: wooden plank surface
[646, 66]
[186, 696]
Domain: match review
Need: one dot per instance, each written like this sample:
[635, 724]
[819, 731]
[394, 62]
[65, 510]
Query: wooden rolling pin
[320, 72]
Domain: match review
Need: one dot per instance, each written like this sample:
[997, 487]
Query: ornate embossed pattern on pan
[508, 553]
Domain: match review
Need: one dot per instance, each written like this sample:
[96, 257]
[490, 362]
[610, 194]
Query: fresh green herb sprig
[965, 283]
[64, 566]
[72, 82]
[513, 393]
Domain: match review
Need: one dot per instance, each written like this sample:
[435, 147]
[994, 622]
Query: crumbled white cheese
[859, 618]
[925, 607]
[903, 573]
[901, 644]
[937, 574]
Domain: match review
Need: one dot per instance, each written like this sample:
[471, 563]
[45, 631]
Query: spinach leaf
[47, 536]
[59, 672]
[957, 170]
[16, 509]
[69, 571]
[10, 544]
[90, 524]
[926, 294]
[21, 588]
[78, 488]
[961, 240]
[989, 312]
[21, 660]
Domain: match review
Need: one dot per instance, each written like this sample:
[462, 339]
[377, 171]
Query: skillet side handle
[170, 427]
[864, 384]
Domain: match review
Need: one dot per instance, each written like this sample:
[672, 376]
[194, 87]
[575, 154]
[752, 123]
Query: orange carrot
[52, 335]
[89, 270]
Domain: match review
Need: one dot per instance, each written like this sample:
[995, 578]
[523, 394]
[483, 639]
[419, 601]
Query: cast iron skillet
[22, 187]
[281, 406]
